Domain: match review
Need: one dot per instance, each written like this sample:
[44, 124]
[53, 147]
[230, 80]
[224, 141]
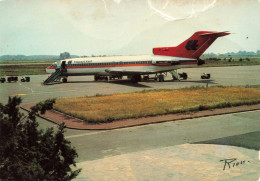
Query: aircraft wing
[128, 72]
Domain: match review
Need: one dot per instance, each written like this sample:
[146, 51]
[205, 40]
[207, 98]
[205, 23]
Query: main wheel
[161, 78]
[64, 80]
[136, 78]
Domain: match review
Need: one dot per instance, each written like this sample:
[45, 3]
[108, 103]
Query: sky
[123, 27]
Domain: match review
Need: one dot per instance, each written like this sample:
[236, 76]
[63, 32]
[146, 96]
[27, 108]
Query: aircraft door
[63, 65]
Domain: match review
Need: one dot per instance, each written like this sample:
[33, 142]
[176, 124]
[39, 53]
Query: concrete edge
[147, 123]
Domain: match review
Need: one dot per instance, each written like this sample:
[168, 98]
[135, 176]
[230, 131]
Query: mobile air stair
[54, 78]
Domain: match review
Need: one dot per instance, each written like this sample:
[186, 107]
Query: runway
[177, 150]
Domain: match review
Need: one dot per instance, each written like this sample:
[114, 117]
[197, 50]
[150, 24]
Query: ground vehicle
[12, 79]
[25, 79]
[182, 75]
[205, 76]
[2, 80]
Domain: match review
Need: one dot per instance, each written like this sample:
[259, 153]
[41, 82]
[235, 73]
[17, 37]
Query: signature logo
[192, 45]
[232, 162]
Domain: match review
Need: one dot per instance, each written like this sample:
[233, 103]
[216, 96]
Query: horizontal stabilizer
[223, 33]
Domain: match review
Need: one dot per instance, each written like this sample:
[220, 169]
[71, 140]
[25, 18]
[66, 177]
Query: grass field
[24, 67]
[26, 61]
[156, 102]
[235, 62]
[16, 70]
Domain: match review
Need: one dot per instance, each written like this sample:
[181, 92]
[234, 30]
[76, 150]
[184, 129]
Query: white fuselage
[127, 65]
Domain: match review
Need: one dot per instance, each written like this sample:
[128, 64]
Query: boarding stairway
[54, 78]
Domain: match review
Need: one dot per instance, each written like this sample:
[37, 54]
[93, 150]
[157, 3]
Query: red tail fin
[193, 47]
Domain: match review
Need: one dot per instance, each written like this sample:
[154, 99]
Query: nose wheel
[64, 80]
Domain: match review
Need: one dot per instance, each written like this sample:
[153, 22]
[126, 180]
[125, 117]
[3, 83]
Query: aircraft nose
[48, 70]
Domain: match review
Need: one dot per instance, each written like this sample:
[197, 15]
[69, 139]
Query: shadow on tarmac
[200, 81]
[247, 140]
[131, 84]
[121, 82]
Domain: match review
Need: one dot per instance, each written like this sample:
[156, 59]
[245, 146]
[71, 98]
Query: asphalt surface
[34, 91]
[115, 142]
[139, 153]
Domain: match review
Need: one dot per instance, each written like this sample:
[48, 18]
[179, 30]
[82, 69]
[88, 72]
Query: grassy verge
[99, 109]
[235, 62]
[26, 61]
[24, 67]
[16, 70]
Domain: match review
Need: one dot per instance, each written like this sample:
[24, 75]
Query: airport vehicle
[182, 75]
[163, 60]
[2, 80]
[12, 79]
[25, 79]
[205, 76]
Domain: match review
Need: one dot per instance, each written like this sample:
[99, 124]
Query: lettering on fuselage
[83, 62]
[192, 45]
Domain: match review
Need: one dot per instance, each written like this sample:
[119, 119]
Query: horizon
[217, 54]
[257, 51]
[122, 28]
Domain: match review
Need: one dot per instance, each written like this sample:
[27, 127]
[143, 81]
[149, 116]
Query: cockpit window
[54, 65]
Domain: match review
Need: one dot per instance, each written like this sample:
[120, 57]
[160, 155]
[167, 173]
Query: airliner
[163, 60]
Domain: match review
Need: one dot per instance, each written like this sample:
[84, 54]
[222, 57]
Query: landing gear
[99, 77]
[112, 77]
[147, 78]
[64, 80]
[136, 78]
[161, 78]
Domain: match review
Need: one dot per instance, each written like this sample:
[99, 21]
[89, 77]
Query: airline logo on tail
[192, 45]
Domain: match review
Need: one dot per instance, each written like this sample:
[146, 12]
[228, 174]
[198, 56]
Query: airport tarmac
[78, 86]
[167, 151]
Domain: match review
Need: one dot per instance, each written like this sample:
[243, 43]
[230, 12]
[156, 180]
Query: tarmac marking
[85, 134]
[20, 94]
[43, 92]
[26, 87]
